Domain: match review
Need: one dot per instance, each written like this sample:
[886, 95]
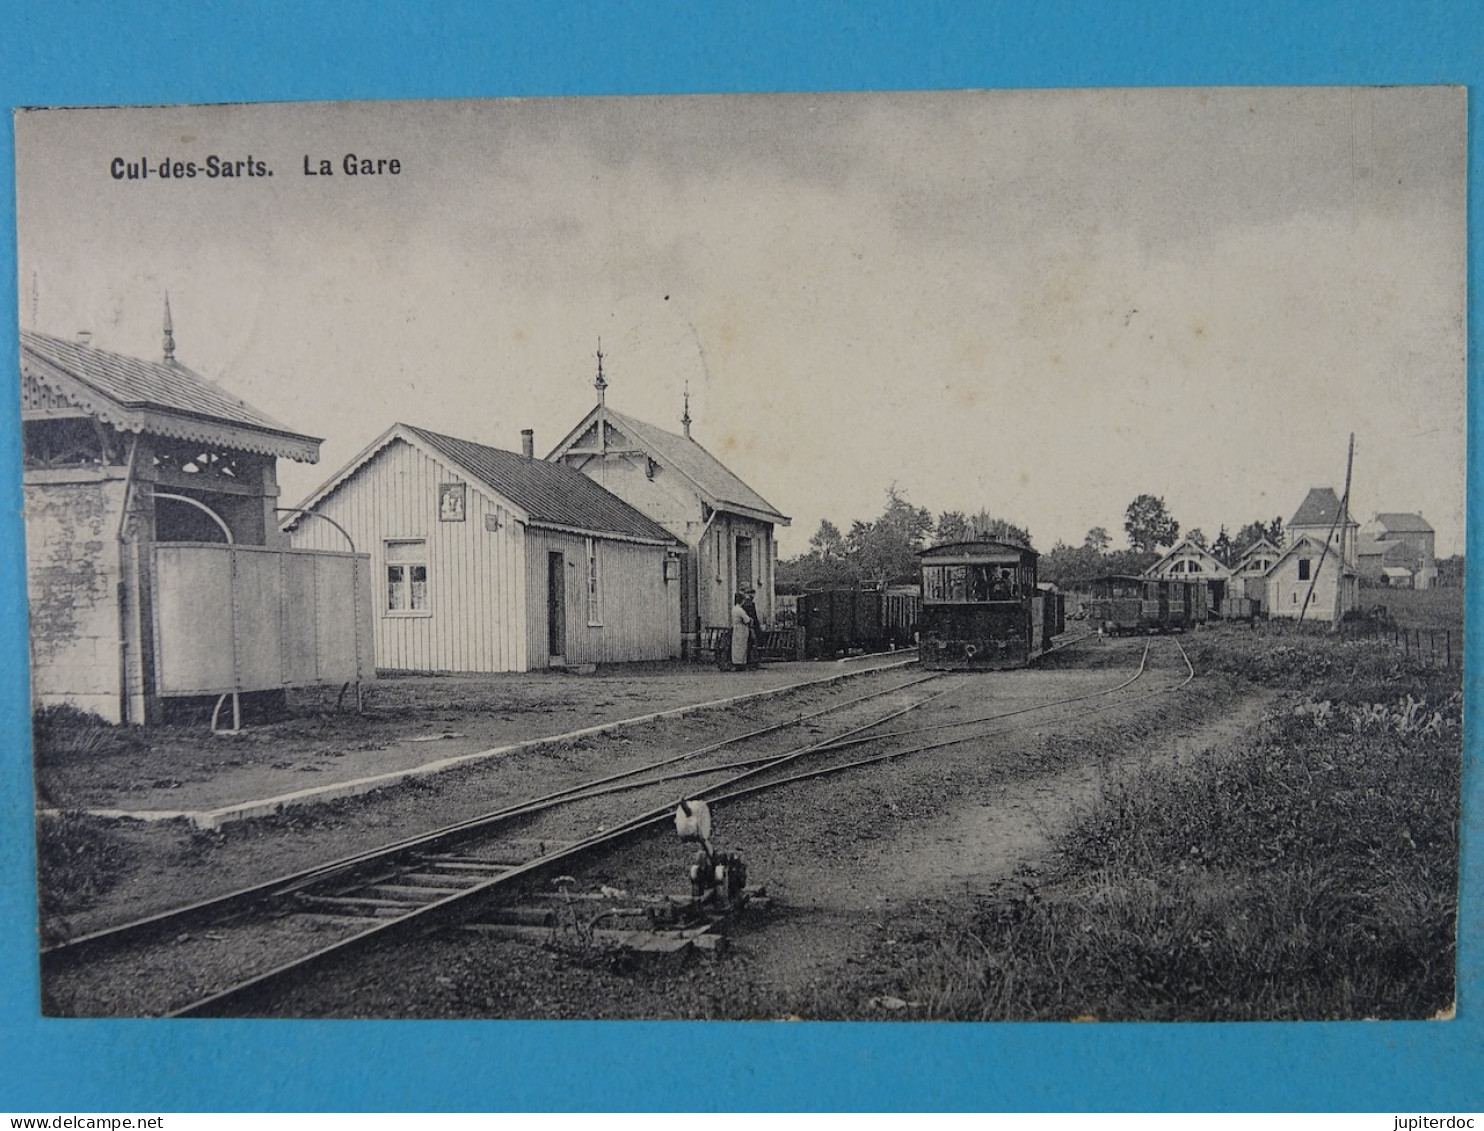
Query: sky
[1039, 303]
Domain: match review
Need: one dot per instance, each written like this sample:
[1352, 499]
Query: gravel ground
[408, 721]
[864, 870]
[160, 865]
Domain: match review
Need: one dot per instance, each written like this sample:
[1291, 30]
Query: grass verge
[1310, 872]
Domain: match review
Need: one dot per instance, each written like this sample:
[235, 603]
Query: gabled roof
[550, 495]
[1315, 548]
[718, 487]
[1261, 546]
[1215, 567]
[1319, 508]
[1396, 523]
[1388, 551]
[161, 398]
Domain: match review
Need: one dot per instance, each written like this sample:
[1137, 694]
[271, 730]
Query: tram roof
[978, 550]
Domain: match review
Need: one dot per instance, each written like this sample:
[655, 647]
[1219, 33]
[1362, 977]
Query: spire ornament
[169, 333]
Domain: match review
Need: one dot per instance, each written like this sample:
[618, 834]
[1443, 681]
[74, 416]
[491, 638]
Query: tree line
[884, 551]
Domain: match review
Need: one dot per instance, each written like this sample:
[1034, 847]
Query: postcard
[959, 556]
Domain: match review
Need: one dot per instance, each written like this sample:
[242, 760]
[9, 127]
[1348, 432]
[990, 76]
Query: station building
[726, 528]
[494, 561]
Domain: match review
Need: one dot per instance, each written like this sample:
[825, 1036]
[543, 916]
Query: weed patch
[78, 858]
[1309, 872]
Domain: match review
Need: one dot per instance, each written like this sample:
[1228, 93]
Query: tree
[953, 526]
[1253, 533]
[886, 550]
[1098, 540]
[1198, 538]
[986, 527]
[1222, 547]
[828, 542]
[1148, 525]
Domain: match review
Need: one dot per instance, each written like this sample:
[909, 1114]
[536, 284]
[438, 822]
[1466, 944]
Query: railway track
[285, 928]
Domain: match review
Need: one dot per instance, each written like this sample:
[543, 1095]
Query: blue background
[140, 52]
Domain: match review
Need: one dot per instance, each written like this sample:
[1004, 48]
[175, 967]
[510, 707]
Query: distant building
[1398, 550]
[492, 561]
[155, 566]
[1316, 519]
[1187, 561]
[726, 526]
[1250, 575]
[1315, 577]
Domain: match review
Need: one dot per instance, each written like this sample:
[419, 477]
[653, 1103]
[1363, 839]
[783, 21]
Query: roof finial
[169, 332]
[600, 384]
[685, 419]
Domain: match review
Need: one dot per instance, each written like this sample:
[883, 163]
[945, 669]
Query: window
[974, 583]
[594, 586]
[1303, 569]
[407, 578]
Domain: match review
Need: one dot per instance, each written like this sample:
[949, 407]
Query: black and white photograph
[970, 556]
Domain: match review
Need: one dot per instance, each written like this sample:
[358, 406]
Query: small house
[1311, 581]
[725, 526]
[493, 561]
[1249, 580]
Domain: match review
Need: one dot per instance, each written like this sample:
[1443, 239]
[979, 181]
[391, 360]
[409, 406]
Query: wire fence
[1435, 647]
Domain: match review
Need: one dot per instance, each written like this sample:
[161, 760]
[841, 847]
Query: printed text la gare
[352, 165]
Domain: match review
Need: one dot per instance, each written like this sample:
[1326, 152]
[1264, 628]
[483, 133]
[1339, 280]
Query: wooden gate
[231, 618]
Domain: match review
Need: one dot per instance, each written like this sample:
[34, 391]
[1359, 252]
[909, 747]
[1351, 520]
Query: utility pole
[1344, 517]
[1340, 515]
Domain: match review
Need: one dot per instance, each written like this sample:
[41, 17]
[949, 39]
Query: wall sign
[451, 499]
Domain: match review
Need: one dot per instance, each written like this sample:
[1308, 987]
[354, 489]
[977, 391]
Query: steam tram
[1122, 604]
[981, 608]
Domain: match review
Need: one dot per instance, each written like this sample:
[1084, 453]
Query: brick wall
[73, 579]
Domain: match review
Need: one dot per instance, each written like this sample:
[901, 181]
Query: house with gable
[1315, 577]
[1187, 561]
[492, 561]
[1398, 550]
[155, 567]
[1250, 575]
[726, 527]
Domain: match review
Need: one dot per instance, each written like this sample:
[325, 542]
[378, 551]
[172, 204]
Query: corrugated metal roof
[696, 464]
[1397, 523]
[1319, 508]
[133, 383]
[553, 494]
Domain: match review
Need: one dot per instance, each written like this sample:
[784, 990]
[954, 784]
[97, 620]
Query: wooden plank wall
[641, 610]
[476, 576]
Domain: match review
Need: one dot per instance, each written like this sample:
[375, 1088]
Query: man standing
[754, 629]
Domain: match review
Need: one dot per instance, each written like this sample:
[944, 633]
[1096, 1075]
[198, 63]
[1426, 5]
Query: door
[744, 563]
[556, 607]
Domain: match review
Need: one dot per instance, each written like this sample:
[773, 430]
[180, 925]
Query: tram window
[979, 583]
[957, 582]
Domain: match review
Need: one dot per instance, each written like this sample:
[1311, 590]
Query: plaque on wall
[451, 498]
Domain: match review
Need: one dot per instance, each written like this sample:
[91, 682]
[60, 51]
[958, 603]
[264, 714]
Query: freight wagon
[841, 622]
[1121, 604]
